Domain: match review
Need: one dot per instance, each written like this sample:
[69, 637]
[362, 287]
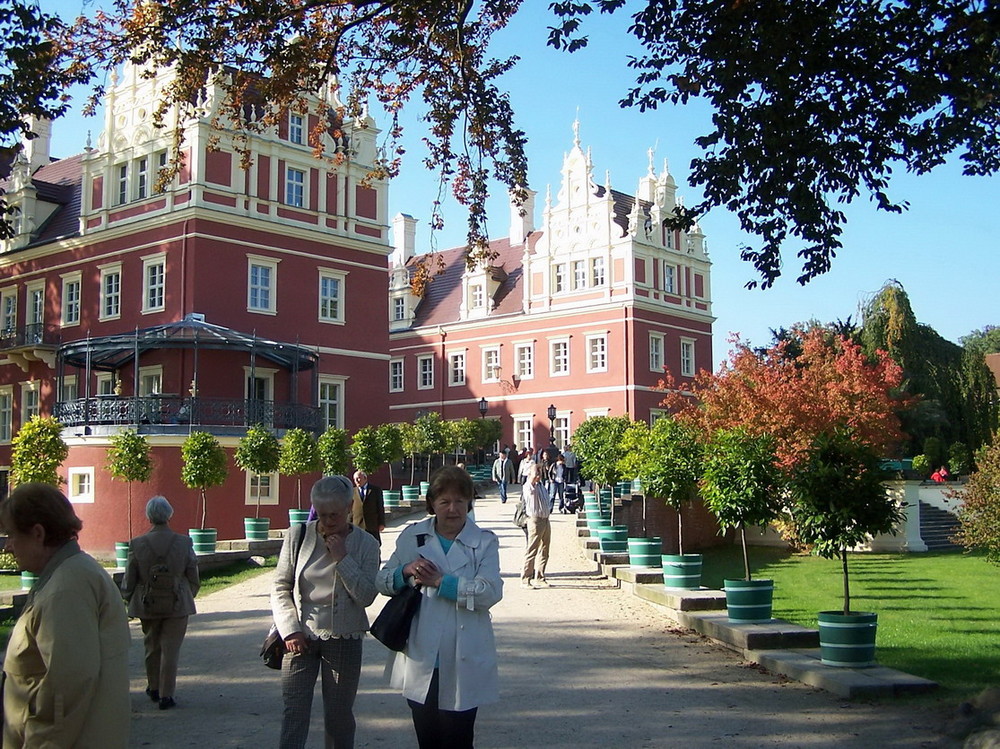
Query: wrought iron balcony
[171, 410]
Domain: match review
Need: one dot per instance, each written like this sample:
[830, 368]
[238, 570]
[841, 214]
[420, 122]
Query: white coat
[456, 635]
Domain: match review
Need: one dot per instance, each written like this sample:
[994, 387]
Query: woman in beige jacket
[160, 583]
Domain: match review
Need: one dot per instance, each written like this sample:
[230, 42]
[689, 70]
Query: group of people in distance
[66, 668]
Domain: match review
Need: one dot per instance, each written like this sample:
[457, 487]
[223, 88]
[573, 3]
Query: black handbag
[272, 652]
[392, 626]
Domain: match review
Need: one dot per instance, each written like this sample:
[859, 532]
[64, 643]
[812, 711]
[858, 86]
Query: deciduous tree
[299, 455]
[129, 460]
[979, 513]
[37, 451]
[204, 466]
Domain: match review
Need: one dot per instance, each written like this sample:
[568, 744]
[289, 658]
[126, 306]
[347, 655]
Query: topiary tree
[410, 440]
[838, 499]
[979, 513]
[37, 451]
[299, 454]
[390, 442]
[488, 433]
[669, 465]
[204, 466]
[129, 460]
[431, 436]
[258, 452]
[922, 465]
[741, 482]
[365, 449]
[598, 443]
[466, 436]
[334, 454]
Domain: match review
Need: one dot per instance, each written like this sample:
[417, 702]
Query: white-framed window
[295, 187]
[111, 292]
[669, 277]
[68, 389]
[656, 352]
[425, 372]
[670, 239]
[524, 433]
[122, 187]
[142, 178]
[477, 299]
[456, 368]
[560, 430]
[491, 364]
[687, 357]
[36, 305]
[559, 357]
[80, 484]
[261, 488]
[71, 299]
[579, 274]
[396, 381]
[296, 128]
[29, 401]
[6, 413]
[558, 278]
[331, 296]
[154, 281]
[160, 159]
[399, 308]
[524, 360]
[597, 353]
[8, 311]
[331, 401]
[597, 271]
[262, 282]
[150, 381]
[105, 383]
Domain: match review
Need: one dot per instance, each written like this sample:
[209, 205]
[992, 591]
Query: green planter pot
[636, 486]
[682, 571]
[749, 601]
[392, 498]
[425, 487]
[847, 640]
[297, 516]
[27, 579]
[645, 552]
[256, 528]
[411, 494]
[203, 539]
[613, 539]
[121, 554]
[597, 523]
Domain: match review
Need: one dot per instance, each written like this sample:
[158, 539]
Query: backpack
[160, 597]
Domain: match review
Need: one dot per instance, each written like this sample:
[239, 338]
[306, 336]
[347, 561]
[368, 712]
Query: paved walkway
[582, 664]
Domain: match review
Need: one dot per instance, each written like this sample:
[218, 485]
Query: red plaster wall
[219, 167]
[365, 202]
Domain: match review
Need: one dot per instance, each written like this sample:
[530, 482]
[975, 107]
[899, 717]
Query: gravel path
[581, 665]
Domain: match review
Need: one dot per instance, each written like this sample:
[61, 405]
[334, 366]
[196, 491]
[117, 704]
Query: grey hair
[338, 489]
[158, 510]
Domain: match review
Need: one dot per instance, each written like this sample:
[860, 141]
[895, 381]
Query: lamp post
[551, 413]
[483, 407]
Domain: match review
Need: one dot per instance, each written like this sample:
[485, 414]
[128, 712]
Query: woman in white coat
[449, 667]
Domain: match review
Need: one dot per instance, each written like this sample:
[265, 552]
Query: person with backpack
[160, 583]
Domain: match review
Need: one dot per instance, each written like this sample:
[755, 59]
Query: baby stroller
[572, 500]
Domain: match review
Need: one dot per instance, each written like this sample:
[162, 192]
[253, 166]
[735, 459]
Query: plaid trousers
[340, 663]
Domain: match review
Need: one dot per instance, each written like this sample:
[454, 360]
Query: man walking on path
[503, 473]
[368, 511]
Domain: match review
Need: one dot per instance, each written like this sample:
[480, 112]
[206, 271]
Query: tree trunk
[130, 510]
[204, 509]
[680, 533]
[746, 557]
[847, 587]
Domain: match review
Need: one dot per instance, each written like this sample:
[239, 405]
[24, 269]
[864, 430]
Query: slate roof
[58, 182]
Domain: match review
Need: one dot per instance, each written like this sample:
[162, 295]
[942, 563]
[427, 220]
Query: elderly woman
[160, 583]
[66, 668]
[449, 667]
[324, 581]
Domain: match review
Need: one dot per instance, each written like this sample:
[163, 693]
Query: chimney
[522, 226]
[404, 233]
[36, 150]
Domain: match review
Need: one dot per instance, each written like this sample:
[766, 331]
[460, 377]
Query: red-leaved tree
[795, 391]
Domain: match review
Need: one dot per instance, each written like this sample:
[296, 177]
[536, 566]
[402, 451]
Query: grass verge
[936, 611]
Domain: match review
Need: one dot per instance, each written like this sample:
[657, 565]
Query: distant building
[582, 312]
[224, 298]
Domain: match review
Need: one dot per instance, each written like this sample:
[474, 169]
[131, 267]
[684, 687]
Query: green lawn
[937, 612]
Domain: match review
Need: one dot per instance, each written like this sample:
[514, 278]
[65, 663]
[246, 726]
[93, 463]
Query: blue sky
[945, 250]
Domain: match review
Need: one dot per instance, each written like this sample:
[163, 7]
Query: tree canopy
[815, 104]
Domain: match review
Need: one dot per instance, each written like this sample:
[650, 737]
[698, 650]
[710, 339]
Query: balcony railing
[35, 334]
[175, 410]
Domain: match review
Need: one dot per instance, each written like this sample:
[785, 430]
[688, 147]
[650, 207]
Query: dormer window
[295, 129]
[399, 308]
[476, 299]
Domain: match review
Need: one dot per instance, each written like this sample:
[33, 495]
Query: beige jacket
[353, 588]
[66, 667]
[180, 558]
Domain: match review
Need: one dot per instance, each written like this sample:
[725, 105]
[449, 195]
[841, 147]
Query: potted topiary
[299, 455]
[669, 465]
[204, 466]
[258, 453]
[741, 486]
[128, 460]
[839, 502]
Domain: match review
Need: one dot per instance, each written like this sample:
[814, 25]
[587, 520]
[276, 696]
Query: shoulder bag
[272, 652]
[392, 626]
